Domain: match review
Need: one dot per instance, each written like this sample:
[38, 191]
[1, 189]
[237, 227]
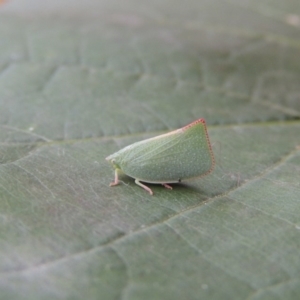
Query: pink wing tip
[194, 123]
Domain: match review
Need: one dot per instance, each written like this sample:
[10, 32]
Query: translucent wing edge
[213, 162]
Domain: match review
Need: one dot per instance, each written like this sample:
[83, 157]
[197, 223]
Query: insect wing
[181, 154]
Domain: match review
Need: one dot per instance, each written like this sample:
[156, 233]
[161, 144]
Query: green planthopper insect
[181, 154]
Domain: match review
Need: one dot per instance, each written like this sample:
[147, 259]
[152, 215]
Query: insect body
[168, 158]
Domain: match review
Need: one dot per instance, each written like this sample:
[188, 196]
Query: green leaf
[81, 79]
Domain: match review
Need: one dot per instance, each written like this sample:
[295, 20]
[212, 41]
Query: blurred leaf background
[81, 79]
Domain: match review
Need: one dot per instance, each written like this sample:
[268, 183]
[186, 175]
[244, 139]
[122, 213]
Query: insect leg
[167, 186]
[116, 182]
[144, 186]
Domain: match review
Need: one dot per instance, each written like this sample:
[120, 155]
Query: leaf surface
[81, 79]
